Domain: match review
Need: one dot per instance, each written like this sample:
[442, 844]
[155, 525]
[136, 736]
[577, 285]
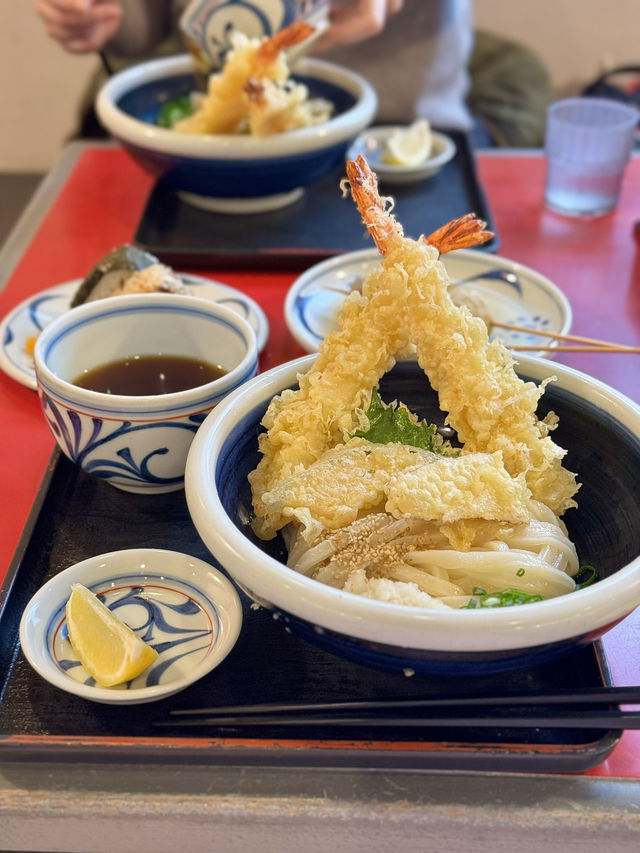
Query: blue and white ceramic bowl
[183, 607]
[600, 429]
[208, 24]
[137, 443]
[233, 173]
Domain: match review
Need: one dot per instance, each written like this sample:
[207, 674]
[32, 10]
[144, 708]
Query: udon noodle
[411, 561]
[372, 501]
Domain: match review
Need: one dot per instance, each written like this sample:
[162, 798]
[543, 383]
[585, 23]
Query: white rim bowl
[396, 625]
[233, 147]
[148, 406]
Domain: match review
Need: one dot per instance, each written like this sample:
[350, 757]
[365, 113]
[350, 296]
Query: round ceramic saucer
[512, 294]
[30, 317]
[183, 607]
[371, 145]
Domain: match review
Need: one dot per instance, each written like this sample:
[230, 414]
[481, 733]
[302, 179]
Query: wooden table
[91, 202]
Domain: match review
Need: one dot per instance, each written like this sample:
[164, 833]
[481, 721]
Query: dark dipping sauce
[142, 375]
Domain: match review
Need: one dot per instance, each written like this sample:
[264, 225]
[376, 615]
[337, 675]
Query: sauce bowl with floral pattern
[138, 442]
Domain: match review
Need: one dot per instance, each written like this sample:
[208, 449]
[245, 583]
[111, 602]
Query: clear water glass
[588, 145]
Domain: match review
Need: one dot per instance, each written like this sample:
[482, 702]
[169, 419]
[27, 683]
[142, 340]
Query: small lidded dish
[152, 366]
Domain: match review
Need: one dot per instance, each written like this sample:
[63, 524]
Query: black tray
[321, 224]
[77, 516]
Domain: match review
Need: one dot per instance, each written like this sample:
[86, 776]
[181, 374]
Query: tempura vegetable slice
[451, 489]
[346, 481]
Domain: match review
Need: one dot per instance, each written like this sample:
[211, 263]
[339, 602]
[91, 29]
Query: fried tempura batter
[360, 476]
[407, 301]
[253, 92]
[474, 485]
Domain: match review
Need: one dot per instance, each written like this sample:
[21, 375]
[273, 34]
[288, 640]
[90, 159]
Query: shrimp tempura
[407, 301]
[253, 69]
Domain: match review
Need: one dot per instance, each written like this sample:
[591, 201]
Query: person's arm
[356, 21]
[80, 26]
[123, 27]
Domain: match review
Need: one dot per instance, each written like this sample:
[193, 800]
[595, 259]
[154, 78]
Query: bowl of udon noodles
[251, 138]
[404, 629]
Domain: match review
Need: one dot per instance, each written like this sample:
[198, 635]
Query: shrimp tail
[376, 214]
[282, 40]
[374, 209]
[460, 233]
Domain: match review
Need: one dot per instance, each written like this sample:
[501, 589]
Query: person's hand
[355, 22]
[80, 26]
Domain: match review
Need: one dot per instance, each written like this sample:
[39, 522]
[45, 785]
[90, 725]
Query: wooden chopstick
[593, 343]
[567, 720]
[597, 695]
[557, 335]
[577, 696]
[609, 349]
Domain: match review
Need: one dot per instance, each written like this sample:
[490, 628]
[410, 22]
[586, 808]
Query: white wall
[577, 39]
[40, 85]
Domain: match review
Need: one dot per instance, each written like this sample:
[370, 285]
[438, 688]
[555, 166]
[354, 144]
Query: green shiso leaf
[394, 422]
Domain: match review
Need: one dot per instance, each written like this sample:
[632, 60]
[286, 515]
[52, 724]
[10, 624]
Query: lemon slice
[410, 146]
[108, 649]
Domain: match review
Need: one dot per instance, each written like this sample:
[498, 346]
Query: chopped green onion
[504, 598]
[591, 576]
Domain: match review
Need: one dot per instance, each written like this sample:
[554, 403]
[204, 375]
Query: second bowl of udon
[234, 172]
[598, 427]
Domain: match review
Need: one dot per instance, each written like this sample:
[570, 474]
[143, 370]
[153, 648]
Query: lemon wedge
[108, 649]
[408, 146]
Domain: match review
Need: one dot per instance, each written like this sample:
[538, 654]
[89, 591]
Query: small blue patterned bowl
[600, 429]
[233, 173]
[183, 607]
[137, 443]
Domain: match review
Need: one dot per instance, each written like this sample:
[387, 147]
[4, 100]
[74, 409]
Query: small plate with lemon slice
[404, 154]
[148, 622]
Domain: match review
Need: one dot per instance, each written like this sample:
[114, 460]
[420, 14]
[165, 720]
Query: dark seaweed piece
[121, 261]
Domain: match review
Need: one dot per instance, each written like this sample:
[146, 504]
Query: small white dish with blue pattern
[511, 293]
[183, 607]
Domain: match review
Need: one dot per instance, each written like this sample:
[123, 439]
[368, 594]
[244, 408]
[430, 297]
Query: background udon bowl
[233, 166]
[600, 429]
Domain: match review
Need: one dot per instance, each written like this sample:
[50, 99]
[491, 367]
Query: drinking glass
[588, 145]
